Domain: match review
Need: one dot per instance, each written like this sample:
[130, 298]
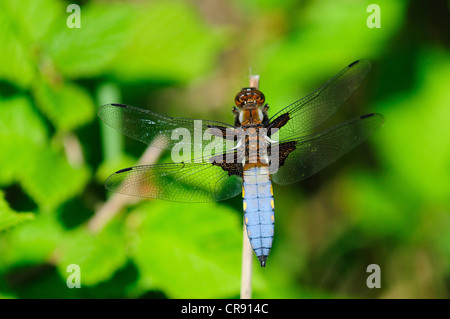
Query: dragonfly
[293, 139]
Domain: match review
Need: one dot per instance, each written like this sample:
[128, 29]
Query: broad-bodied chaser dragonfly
[238, 164]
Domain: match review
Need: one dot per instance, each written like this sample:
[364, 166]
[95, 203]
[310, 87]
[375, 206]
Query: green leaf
[50, 180]
[89, 50]
[168, 41]
[9, 218]
[98, 255]
[16, 64]
[187, 250]
[31, 243]
[19, 120]
[67, 105]
[21, 133]
[420, 154]
[373, 209]
[45, 175]
[29, 24]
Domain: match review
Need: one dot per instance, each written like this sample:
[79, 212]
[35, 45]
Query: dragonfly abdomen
[259, 210]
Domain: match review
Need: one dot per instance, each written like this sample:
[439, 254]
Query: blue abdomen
[259, 210]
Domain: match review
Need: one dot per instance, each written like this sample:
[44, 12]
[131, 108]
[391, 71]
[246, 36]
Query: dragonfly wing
[177, 182]
[144, 125]
[305, 156]
[307, 113]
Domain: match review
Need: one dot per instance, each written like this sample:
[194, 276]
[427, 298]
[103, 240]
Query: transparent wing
[309, 154]
[307, 113]
[144, 125]
[177, 182]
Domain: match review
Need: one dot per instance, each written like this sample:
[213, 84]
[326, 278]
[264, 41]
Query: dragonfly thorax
[250, 117]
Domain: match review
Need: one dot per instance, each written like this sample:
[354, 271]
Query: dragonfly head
[249, 98]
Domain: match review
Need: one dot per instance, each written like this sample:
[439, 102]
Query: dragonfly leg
[270, 140]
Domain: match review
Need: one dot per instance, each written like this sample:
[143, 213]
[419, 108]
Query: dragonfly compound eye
[259, 98]
[240, 99]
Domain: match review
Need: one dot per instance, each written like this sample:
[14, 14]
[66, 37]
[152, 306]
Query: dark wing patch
[278, 123]
[286, 148]
[229, 162]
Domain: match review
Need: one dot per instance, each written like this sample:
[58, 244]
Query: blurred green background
[386, 203]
